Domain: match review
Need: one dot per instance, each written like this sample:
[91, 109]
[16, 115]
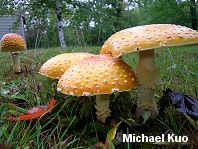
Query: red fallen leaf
[106, 146]
[50, 104]
[36, 109]
[35, 112]
[99, 144]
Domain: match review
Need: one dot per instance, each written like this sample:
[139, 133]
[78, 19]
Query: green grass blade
[15, 108]
[3, 131]
[192, 122]
[9, 140]
[68, 127]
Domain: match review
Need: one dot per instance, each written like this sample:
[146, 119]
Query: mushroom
[13, 43]
[98, 75]
[57, 65]
[144, 39]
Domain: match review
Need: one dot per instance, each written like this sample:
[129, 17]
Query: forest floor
[73, 124]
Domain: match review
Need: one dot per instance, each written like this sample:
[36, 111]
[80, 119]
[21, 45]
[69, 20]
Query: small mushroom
[13, 43]
[98, 75]
[144, 39]
[57, 65]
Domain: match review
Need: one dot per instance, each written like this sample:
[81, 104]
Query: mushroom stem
[102, 107]
[148, 77]
[15, 62]
[146, 102]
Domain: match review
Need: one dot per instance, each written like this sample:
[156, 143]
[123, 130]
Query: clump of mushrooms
[58, 64]
[13, 43]
[144, 39]
[98, 75]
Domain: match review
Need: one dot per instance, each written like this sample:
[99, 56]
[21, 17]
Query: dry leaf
[111, 134]
[35, 112]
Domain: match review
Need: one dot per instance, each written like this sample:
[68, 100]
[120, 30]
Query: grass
[73, 124]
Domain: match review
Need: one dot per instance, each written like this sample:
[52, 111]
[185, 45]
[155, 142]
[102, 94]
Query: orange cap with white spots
[148, 37]
[57, 65]
[12, 42]
[95, 75]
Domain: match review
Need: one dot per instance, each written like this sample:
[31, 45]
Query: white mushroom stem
[146, 102]
[15, 62]
[102, 107]
[148, 77]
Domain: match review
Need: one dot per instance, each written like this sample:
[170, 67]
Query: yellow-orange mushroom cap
[95, 75]
[148, 37]
[57, 65]
[12, 42]
[144, 39]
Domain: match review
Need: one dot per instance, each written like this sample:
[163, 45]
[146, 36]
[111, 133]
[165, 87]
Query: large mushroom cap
[148, 37]
[57, 65]
[12, 42]
[95, 75]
